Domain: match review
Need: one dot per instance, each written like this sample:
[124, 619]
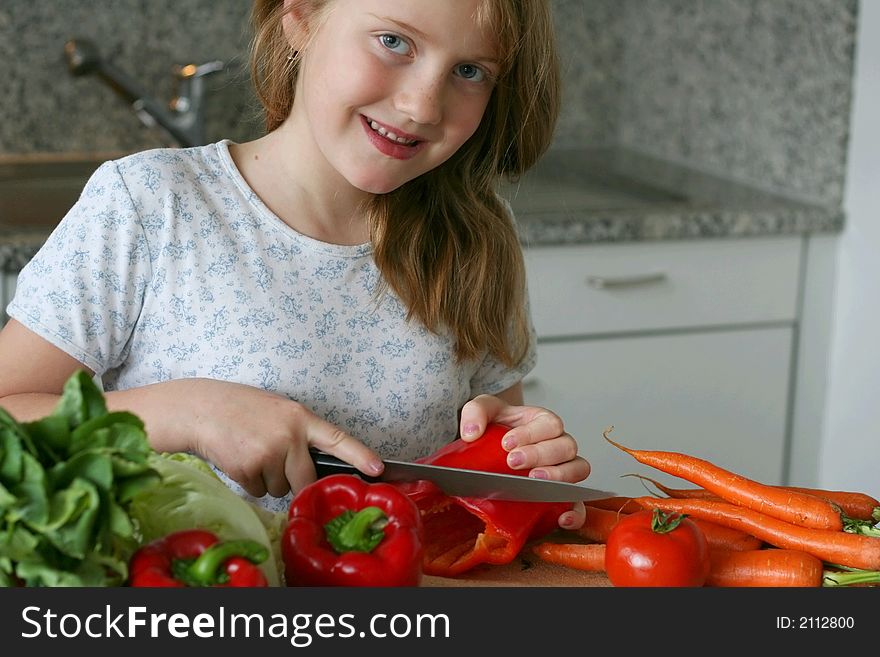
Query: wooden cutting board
[526, 570]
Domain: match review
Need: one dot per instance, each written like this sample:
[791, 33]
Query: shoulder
[169, 188]
[156, 170]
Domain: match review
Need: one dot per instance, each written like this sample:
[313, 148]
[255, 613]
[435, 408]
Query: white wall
[850, 453]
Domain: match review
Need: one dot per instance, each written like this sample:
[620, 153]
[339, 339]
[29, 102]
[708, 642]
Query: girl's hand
[536, 442]
[258, 438]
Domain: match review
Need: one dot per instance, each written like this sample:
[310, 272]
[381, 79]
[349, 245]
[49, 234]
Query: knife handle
[325, 465]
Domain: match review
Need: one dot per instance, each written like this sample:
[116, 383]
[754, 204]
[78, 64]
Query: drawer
[613, 288]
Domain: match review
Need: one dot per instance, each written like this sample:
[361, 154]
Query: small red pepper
[195, 557]
[343, 531]
[463, 532]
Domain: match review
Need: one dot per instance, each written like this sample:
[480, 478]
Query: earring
[292, 55]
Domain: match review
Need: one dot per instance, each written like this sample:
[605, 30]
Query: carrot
[772, 567]
[720, 537]
[790, 506]
[680, 493]
[859, 506]
[778, 567]
[748, 568]
[837, 547]
[616, 504]
[580, 556]
[598, 524]
[855, 505]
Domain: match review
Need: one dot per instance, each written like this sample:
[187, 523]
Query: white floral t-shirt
[170, 266]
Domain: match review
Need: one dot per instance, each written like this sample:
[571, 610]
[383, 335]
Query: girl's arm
[259, 438]
[32, 372]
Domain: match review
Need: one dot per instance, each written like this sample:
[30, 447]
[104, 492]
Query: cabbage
[192, 496]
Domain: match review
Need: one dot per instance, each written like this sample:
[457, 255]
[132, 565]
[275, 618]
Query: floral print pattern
[170, 266]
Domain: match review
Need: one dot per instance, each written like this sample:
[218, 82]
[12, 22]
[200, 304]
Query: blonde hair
[445, 242]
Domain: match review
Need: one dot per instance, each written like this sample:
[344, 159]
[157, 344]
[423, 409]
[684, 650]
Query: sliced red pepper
[197, 558]
[463, 532]
[343, 531]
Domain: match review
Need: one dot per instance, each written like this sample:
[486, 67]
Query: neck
[285, 172]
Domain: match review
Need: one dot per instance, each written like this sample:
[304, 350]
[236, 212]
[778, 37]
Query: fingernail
[566, 521]
[376, 466]
[470, 430]
[539, 474]
[515, 459]
[508, 442]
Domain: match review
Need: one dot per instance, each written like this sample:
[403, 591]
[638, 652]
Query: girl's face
[390, 89]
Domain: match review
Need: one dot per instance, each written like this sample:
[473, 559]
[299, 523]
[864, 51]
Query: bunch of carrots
[758, 535]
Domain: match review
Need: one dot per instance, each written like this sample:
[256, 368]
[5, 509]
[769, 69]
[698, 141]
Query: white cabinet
[681, 346]
[7, 291]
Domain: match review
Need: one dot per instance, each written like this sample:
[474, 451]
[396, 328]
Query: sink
[36, 194]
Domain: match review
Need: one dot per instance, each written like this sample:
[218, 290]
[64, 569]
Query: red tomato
[652, 548]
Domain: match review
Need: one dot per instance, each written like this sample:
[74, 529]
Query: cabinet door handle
[607, 282]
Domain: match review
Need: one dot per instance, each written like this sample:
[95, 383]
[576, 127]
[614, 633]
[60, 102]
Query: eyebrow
[422, 35]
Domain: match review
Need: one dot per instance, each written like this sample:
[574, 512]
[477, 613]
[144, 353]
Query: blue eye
[394, 43]
[471, 72]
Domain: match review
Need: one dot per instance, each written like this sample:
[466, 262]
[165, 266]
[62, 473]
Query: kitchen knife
[466, 483]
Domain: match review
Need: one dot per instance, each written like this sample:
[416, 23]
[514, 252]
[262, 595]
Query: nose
[421, 100]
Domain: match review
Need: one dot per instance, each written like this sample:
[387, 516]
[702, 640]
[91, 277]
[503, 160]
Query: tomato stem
[663, 523]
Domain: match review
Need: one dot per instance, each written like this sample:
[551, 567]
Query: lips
[396, 136]
[391, 136]
[391, 142]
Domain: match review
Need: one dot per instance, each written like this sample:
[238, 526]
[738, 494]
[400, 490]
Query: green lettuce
[66, 482]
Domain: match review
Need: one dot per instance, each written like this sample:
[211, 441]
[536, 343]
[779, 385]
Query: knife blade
[466, 483]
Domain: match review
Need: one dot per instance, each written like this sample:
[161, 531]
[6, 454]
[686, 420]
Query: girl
[350, 281]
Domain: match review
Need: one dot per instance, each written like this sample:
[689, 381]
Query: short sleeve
[83, 290]
[493, 376]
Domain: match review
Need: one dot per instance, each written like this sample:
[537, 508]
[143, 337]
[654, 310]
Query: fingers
[530, 423]
[333, 440]
[299, 471]
[572, 471]
[554, 455]
[536, 441]
[548, 458]
[477, 413]
[281, 462]
[575, 518]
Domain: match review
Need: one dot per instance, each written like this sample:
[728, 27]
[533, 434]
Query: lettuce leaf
[65, 484]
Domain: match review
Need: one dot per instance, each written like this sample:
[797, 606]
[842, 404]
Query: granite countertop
[615, 195]
[570, 197]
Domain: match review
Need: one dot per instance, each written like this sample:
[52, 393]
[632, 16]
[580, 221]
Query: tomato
[652, 548]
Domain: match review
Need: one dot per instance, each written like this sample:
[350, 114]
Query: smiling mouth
[389, 135]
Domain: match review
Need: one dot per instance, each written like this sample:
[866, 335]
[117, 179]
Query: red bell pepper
[463, 532]
[343, 531]
[195, 557]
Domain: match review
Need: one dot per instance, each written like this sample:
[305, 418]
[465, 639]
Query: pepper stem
[205, 571]
[357, 531]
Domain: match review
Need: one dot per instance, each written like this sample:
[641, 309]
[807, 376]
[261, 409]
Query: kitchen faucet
[183, 119]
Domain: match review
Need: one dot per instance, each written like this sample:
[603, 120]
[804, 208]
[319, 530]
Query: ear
[295, 22]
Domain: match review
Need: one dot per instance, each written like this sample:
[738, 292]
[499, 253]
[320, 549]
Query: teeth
[390, 135]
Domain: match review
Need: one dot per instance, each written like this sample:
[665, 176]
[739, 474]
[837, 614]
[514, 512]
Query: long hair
[445, 242]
